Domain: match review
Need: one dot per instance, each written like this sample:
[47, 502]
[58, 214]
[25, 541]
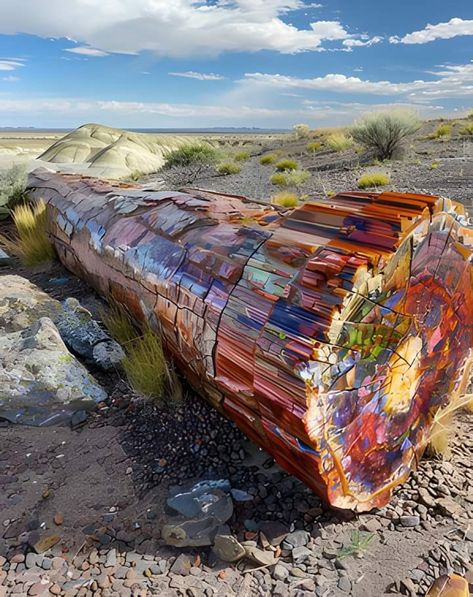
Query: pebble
[344, 584]
[409, 521]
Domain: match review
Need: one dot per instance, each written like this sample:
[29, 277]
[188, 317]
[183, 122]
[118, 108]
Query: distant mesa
[100, 150]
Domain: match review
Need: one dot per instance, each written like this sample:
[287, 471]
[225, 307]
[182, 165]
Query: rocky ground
[432, 166]
[90, 510]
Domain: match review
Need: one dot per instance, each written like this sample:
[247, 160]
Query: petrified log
[331, 334]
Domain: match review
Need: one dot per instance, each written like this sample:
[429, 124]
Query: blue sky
[266, 63]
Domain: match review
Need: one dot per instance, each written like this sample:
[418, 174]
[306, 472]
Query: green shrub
[383, 132]
[188, 155]
[286, 164]
[313, 146]
[297, 177]
[373, 179]
[269, 158]
[31, 243]
[443, 130]
[285, 199]
[279, 179]
[467, 130]
[470, 114]
[339, 142]
[12, 189]
[228, 168]
[434, 166]
[241, 156]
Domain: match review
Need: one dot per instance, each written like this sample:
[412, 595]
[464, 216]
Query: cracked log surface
[332, 334]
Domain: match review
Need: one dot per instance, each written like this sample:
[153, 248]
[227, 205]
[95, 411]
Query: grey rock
[85, 337]
[296, 539]
[5, 259]
[280, 572]
[260, 556]
[409, 521]
[40, 379]
[197, 498]
[301, 554]
[344, 584]
[182, 565]
[241, 496]
[274, 531]
[228, 548]
[30, 560]
[111, 560]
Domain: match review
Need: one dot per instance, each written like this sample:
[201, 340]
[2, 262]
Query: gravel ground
[82, 511]
[437, 167]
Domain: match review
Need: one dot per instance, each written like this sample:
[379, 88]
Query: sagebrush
[188, 162]
[12, 189]
[382, 133]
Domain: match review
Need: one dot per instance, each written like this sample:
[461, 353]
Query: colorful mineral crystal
[331, 334]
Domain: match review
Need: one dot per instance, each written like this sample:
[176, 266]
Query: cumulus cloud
[453, 28]
[190, 74]
[451, 81]
[178, 28]
[84, 51]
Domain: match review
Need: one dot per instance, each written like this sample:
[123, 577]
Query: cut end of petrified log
[332, 334]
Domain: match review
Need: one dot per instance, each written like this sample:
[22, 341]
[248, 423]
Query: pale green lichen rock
[40, 380]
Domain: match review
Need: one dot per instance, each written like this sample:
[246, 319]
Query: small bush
[285, 199]
[12, 189]
[297, 177]
[241, 156]
[31, 244]
[339, 142]
[301, 131]
[267, 159]
[442, 131]
[185, 164]
[286, 164]
[467, 130]
[434, 166]
[373, 179]
[313, 146]
[188, 155]
[470, 115]
[279, 179]
[331, 193]
[228, 168]
[383, 132]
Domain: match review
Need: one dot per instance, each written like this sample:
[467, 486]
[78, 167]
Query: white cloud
[10, 79]
[358, 43]
[173, 28]
[451, 81]
[10, 64]
[452, 28]
[87, 51]
[190, 74]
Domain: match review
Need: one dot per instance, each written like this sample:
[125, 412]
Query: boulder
[42, 383]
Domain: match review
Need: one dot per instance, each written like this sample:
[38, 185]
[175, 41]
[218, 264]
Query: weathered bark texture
[331, 334]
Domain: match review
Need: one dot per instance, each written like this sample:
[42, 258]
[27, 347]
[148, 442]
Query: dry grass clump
[31, 242]
[297, 177]
[267, 159]
[443, 425]
[241, 156]
[373, 179]
[467, 129]
[339, 142]
[434, 166]
[285, 199]
[227, 168]
[286, 164]
[279, 179]
[145, 364]
[441, 132]
[313, 146]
